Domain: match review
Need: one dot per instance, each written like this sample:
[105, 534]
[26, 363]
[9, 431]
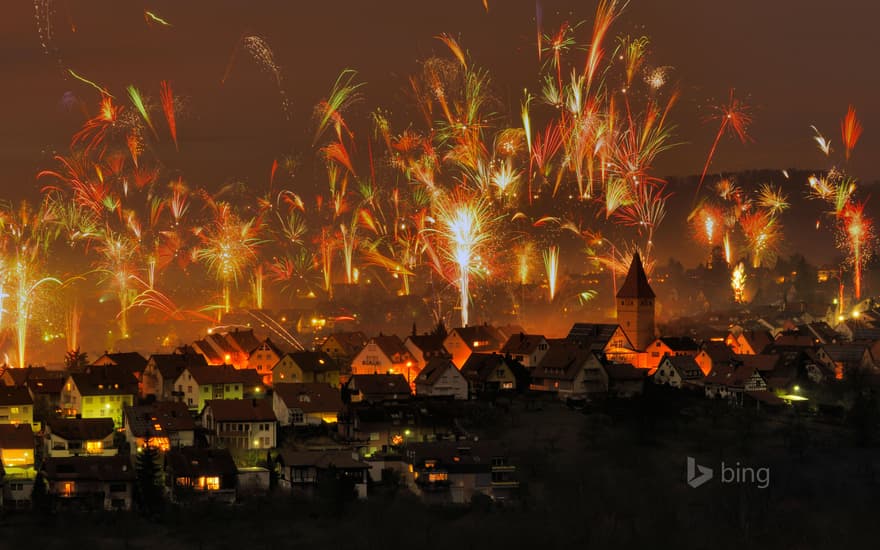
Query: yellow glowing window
[94, 446]
[438, 476]
[209, 483]
[67, 489]
[14, 410]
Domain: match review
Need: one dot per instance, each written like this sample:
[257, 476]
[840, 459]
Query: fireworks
[551, 267]
[735, 117]
[738, 282]
[463, 226]
[850, 130]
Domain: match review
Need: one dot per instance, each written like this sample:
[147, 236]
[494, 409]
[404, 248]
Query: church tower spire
[635, 306]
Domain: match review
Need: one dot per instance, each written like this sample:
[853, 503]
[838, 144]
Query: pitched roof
[322, 460]
[15, 395]
[430, 344]
[479, 333]
[310, 397]
[242, 340]
[592, 336]
[269, 344]
[81, 429]
[170, 416]
[20, 377]
[457, 456]
[243, 410]
[845, 353]
[719, 352]
[522, 344]
[794, 338]
[685, 365]
[208, 351]
[563, 361]
[390, 344]
[480, 366]
[99, 468]
[193, 462]
[680, 343]
[351, 342]
[170, 365]
[16, 437]
[43, 386]
[378, 386]
[636, 283]
[434, 370]
[762, 362]
[623, 371]
[313, 361]
[222, 374]
[105, 380]
[130, 360]
[758, 339]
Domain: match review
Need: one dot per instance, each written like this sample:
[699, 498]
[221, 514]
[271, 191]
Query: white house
[240, 423]
[440, 378]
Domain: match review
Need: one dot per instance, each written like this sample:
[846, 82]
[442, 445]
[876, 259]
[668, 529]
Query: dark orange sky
[798, 63]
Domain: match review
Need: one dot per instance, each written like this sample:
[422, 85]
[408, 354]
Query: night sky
[797, 64]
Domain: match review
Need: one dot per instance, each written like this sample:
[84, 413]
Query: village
[234, 416]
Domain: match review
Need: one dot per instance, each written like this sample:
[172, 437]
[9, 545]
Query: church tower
[635, 306]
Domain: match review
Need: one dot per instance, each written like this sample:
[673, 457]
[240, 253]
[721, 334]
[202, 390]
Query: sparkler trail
[551, 266]
[733, 116]
[850, 130]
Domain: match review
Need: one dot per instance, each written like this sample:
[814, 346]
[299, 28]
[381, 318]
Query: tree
[75, 359]
[40, 499]
[149, 490]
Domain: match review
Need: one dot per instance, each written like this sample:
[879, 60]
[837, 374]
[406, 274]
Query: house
[455, 471]
[562, 370]
[301, 472]
[424, 347]
[227, 347]
[604, 377]
[46, 392]
[16, 446]
[377, 387]
[748, 342]
[11, 376]
[491, 372]
[713, 355]
[461, 342]
[195, 385]
[306, 403]
[373, 427]
[162, 425]
[90, 483]
[343, 346]
[624, 380]
[608, 339]
[306, 366]
[263, 358]
[163, 370]
[677, 370]
[100, 393]
[16, 406]
[732, 381]
[240, 423]
[527, 349]
[670, 345]
[385, 354]
[200, 475]
[131, 362]
[79, 437]
[845, 358]
[441, 378]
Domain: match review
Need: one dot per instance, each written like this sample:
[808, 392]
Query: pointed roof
[636, 283]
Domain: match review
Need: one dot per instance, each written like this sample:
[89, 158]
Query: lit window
[67, 489]
[438, 476]
[14, 410]
[94, 447]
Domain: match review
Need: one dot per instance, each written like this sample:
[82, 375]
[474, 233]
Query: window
[297, 416]
[434, 477]
[94, 447]
[117, 487]
[14, 410]
[211, 483]
[189, 389]
[67, 489]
